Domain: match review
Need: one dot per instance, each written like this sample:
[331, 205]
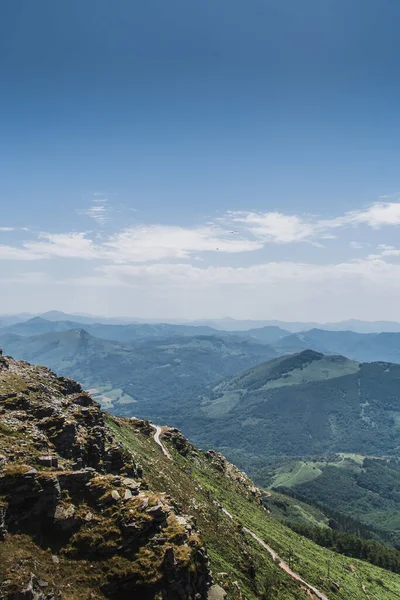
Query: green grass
[285, 508]
[299, 473]
[197, 485]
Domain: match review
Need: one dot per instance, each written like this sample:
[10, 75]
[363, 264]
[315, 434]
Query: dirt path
[159, 442]
[294, 474]
[284, 566]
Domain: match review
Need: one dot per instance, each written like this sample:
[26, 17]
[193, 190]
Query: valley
[319, 427]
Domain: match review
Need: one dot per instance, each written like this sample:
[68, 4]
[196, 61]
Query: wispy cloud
[377, 215]
[249, 261]
[281, 228]
[160, 242]
[136, 244]
[274, 226]
[13, 253]
[99, 210]
[63, 245]
[265, 276]
[235, 233]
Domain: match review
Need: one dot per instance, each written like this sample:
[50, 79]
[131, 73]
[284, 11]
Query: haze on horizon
[184, 161]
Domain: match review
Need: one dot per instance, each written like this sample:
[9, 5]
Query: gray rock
[216, 593]
[65, 517]
[127, 495]
[63, 513]
[48, 461]
[157, 512]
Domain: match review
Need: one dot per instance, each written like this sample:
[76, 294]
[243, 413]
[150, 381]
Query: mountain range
[115, 332]
[159, 370]
[95, 506]
[225, 324]
[151, 378]
[384, 346]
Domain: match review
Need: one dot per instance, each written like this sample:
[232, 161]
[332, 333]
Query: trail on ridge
[157, 440]
[284, 566]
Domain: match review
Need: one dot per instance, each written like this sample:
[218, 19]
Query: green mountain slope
[98, 506]
[306, 404]
[366, 489]
[306, 422]
[146, 379]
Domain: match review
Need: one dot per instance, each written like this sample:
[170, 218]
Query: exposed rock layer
[70, 490]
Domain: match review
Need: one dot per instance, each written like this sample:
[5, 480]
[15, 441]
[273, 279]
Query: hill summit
[305, 404]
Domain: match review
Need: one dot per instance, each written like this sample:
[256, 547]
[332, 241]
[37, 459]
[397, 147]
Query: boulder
[48, 461]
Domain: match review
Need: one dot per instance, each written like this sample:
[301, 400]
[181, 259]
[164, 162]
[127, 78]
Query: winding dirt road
[159, 442]
[284, 566]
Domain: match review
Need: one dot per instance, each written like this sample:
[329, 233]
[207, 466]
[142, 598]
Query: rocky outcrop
[180, 443]
[217, 461]
[229, 470]
[69, 488]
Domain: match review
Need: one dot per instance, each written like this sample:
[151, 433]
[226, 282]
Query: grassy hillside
[146, 379]
[95, 506]
[306, 404]
[369, 492]
[198, 481]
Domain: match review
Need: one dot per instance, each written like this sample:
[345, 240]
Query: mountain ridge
[332, 404]
[91, 507]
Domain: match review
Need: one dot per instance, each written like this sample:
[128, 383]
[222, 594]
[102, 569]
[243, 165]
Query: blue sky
[136, 137]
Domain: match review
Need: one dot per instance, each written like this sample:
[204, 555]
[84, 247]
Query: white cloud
[285, 290]
[136, 244]
[99, 211]
[283, 228]
[377, 215]
[4, 229]
[262, 275]
[13, 253]
[385, 252]
[63, 245]
[237, 232]
[274, 226]
[159, 242]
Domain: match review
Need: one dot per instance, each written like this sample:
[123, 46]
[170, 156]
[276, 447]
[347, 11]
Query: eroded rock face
[179, 441]
[219, 462]
[57, 416]
[73, 491]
